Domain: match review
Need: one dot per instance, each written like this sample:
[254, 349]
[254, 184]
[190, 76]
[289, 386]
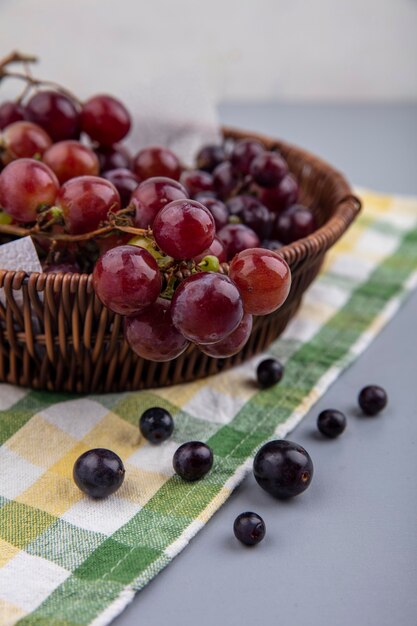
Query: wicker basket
[56, 335]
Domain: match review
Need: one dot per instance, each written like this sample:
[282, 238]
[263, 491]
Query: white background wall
[247, 49]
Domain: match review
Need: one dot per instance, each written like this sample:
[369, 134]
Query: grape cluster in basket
[156, 235]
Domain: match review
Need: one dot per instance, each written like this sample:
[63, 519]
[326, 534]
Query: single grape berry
[156, 161]
[268, 169]
[269, 372]
[217, 208]
[225, 179]
[11, 112]
[249, 528]
[152, 195]
[56, 113]
[243, 154]
[206, 307]
[184, 228]
[331, 423]
[281, 196]
[99, 472]
[105, 119]
[196, 181]
[283, 468]
[156, 424]
[71, 158]
[209, 157]
[153, 336]
[294, 223]
[233, 343]
[236, 238]
[113, 157]
[372, 399]
[193, 460]
[23, 140]
[127, 279]
[125, 182]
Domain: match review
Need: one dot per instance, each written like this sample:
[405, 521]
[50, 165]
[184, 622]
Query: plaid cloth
[68, 560]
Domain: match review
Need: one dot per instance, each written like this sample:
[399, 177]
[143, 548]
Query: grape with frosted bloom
[56, 113]
[24, 140]
[70, 158]
[209, 157]
[26, 185]
[215, 249]
[206, 307]
[217, 208]
[268, 169]
[152, 195]
[156, 161]
[244, 152]
[113, 157]
[85, 202]
[225, 179]
[263, 279]
[233, 343]
[125, 182]
[281, 196]
[183, 229]
[196, 181]
[127, 279]
[237, 237]
[11, 112]
[294, 223]
[152, 335]
[105, 119]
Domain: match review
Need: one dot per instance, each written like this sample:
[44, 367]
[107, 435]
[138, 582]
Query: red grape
[294, 223]
[268, 169]
[125, 182]
[24, 140]
[152, 335]
[26, 185]
[105, 119]
[86, 201]
[196, 181]
[233, 343]
[217, 208]
[69, 159]
[152, 195]
[237, 237]
[209, 157]
[244, 152]
[56, 113]
[113, 157]
[281, 196]
[215, 249]
[156, 161]
[206, 307]
[225, 179]
[263, 279]
[184, 228]
[252, 213]
[127, 279]
[11, 112]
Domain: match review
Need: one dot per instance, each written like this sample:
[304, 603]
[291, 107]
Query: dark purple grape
[55, 113]
[268, 169]
[237, 237]
[99, 472]
[331, 423]
[105, 119]
[217, 208]
[156, 425]
[281, 196]
[193, 460]
[269, 372]
[252, 213]
[283, 468]
[209, 157]
[294, 223]
[225, 179]
[206, 307]
[196, 181]
[113, 157]
[11, 112]
[372, 399]
[125, 182]
[249, 528]
[244, 152]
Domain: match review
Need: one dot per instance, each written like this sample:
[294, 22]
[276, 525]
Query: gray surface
[345, 552]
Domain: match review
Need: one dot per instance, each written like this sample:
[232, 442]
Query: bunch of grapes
[155, 234]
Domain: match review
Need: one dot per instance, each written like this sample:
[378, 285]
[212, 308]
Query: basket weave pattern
[62, 338]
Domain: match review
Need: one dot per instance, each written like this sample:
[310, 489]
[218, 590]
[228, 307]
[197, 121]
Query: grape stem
[17, 57]
[11, 229]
